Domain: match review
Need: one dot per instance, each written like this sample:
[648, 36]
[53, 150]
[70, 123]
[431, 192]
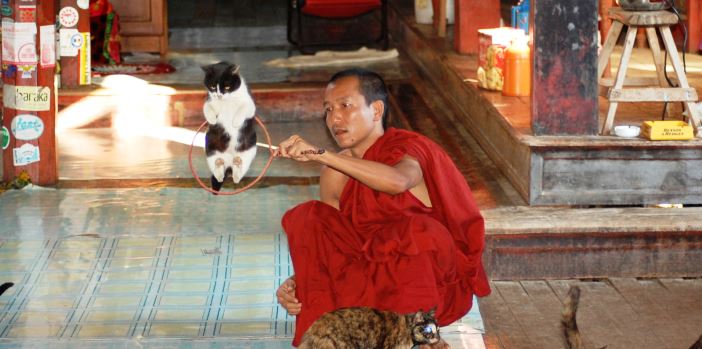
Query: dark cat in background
[230, 142]
[362, 327]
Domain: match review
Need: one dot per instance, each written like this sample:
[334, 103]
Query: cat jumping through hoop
[230, 142]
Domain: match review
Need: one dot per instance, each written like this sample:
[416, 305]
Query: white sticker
[66, 48]
[27, 127]
[68, 16]
[28, 98]
[47, 45]
[18, 43]
[26, 154]
[83, 4]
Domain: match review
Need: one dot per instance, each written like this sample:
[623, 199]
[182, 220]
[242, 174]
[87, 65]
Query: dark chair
[300, 21]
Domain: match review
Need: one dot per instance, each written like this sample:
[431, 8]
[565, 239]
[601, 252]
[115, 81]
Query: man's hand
[286, 296]
[299, 149]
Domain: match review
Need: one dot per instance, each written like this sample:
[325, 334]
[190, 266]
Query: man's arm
[404, 175]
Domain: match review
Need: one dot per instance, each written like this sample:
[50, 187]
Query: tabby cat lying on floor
[362, 327]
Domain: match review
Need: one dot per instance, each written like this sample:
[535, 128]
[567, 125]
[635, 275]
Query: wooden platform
[558, 170]
[616, 313]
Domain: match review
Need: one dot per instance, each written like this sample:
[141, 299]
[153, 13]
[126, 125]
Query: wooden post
[74, 35]
[471, 15]
[564, 97]
[29, 93]
[694, 16]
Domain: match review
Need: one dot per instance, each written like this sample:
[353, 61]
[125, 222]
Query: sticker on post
[26, 154]
[68, 16]
[28, 98]
[85, 73]
[27, 127]
[27, 13]
[66, 48]
[27, 70]
[4, 137]
[18, 43]
[47, 46]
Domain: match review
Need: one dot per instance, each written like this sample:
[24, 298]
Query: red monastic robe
[390, 252]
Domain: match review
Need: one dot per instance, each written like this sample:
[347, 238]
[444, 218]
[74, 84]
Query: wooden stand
[29, 111]
[644, 91]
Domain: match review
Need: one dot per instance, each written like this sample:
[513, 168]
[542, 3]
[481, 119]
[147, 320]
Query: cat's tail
[570, 327]
[5, 286]
[216, 185]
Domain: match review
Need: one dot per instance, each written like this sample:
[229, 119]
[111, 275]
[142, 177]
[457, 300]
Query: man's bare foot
[438, 345]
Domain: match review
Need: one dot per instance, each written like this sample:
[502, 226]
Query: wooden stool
[644, 90]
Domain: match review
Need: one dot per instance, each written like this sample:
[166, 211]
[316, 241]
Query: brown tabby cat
[362, 327]
[570, 327]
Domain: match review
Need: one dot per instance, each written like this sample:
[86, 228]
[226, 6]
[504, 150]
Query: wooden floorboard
[501, 322]
[616, 313]
[687, 295]
[535, 325]
[610, 303]
[596, 331]
[550, 307]
[649, 311]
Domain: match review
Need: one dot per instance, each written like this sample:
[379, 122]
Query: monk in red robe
[396, 227]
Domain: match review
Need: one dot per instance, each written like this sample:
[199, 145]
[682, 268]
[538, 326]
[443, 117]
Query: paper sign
[29, 98]
[47, 45]
[67, 48]
[27, 127]
[85, 73]
[27, 13]
[26, 154]
[18, 43]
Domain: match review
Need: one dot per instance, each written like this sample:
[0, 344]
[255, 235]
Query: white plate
[627, 131]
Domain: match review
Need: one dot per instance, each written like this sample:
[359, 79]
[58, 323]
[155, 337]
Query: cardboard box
[491, 55]
[666, 130]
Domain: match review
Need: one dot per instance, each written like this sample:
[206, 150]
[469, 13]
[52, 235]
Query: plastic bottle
[518, 68]
[423, 11]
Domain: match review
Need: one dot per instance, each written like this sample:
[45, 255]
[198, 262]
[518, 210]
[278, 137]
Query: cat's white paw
[218, 171]
[237, 161]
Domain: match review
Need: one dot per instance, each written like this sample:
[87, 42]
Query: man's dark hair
[371, 86]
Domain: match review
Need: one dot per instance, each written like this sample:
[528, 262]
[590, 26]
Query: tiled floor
[146, 264]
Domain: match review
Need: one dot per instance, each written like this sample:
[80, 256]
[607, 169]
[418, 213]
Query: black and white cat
[230, 142]
[5, 286]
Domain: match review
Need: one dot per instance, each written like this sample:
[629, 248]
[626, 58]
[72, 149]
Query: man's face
[349, 118]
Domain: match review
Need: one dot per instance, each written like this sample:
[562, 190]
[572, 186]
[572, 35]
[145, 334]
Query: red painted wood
[70, 66]
[43, 172]
[471, 15]
[694, 14]
[564, 93]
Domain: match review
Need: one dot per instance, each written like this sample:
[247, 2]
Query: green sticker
[6, 11]
[4, 137]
